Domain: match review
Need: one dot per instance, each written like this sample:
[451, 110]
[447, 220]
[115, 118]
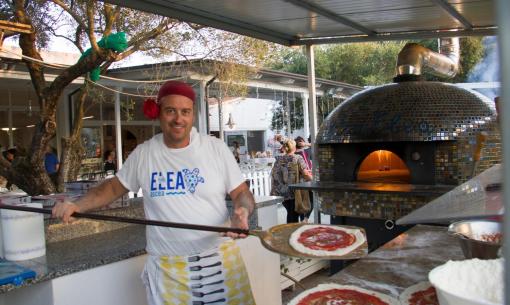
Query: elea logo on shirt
[172, 183]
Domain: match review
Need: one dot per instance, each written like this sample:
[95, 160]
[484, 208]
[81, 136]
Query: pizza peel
[275, 239]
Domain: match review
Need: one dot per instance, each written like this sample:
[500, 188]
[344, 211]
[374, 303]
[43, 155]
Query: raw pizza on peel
[324, 240]
[332, 294]
[422, 293]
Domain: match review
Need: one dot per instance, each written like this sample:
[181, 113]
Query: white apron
[216, 276]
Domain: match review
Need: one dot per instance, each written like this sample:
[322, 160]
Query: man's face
[300, 144]
[176, 120]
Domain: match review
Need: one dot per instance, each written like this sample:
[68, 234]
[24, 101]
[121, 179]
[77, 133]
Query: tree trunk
[73, 150]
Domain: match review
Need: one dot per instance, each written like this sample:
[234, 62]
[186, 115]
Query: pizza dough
[422, 293]
[331, 294]
[324, 240]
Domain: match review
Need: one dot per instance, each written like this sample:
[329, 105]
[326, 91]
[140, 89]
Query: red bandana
[151, 106]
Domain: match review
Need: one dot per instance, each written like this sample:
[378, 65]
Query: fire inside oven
[405, 162]
[383, 166]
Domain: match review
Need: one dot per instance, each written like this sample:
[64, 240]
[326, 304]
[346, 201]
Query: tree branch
[90, 29]
[75, 16]
[110, 15]
[28, 47]
[152, 34]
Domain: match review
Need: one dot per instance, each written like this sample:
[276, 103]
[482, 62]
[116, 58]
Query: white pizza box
[81, 185]
[15, 198]
[50, 200]
[299, 269]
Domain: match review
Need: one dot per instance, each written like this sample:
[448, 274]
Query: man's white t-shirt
[186, 185]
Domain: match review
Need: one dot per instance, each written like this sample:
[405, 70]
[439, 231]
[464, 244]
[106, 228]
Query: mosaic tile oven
[432, 127]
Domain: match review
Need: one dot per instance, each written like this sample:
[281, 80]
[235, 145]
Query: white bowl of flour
[469, 282]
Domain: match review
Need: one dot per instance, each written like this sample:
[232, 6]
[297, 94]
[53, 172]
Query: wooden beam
[15, 27]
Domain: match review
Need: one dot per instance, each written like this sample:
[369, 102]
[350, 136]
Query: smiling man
[185, 177]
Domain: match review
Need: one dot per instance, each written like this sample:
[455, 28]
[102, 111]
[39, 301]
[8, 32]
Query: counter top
[78, 254]
[479, 197]
[414, 189]
[263, 201]
[402, 262]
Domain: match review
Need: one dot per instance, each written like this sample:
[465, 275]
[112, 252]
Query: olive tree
[87, 24]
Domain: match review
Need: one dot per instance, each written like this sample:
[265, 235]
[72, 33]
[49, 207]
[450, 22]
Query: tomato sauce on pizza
[326, 238]
[340, 297]
[424, 297]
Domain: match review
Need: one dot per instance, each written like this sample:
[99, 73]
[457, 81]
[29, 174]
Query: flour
[472, 279]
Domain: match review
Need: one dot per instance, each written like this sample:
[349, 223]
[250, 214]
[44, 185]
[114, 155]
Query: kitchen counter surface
[82, 253]
[78, 254]
[402, 262]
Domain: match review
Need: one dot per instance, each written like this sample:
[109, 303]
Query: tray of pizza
[315, 241]
[333, 293]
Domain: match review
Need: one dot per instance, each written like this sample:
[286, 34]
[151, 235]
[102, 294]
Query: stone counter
[86, 244]
[83, 253]
[402, 262]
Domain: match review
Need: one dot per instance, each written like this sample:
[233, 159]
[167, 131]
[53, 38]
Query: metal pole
[312, 108]
[287, 117]
[118, 131]
[306, 121]
[220, 118]
[10, 133]
[201, 110]
[504, 53]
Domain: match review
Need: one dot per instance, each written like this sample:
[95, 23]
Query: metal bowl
[478, 238]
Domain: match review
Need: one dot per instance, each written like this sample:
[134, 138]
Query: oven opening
[383, 166]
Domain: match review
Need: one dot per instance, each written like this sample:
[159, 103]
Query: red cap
[176, 88]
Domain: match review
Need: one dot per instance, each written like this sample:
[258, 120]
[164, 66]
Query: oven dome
[408, 111]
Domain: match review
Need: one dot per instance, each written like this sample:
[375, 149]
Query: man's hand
[64, 210]
[239, 221]
[243, 203]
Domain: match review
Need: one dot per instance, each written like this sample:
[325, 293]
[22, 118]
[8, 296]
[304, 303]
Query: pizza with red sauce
[422, 293]
[335, 294]
[326, 240]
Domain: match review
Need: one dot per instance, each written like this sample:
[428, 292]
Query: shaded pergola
[310, 22]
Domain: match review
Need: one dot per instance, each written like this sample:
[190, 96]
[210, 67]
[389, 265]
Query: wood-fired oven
[391, 149]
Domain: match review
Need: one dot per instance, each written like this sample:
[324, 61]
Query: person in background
[275, 143]
[109, 161]
[51, 163]
[283, 174]
[237, 151]
[184, 177]
[10, 154]
[301, 149]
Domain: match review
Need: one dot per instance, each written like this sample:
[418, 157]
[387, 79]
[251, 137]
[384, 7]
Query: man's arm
[97, 197]
[244, 203]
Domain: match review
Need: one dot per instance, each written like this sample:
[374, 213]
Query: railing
[260, 181]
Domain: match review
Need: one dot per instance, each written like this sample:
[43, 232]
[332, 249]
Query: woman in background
[284, 172]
